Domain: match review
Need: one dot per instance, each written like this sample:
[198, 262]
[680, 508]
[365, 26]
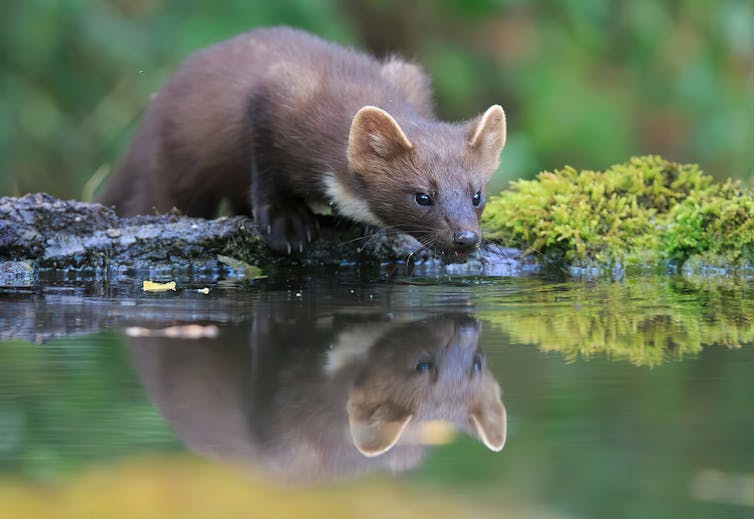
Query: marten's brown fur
[352, 398]
[278, 121]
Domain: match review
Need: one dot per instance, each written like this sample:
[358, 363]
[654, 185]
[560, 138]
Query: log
[41, 235]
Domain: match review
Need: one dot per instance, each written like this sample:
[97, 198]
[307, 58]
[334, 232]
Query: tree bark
[41, 234]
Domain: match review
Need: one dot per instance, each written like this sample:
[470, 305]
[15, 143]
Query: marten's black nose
[466, 240]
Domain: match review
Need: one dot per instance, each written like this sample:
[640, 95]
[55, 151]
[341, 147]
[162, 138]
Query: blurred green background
[585, 83]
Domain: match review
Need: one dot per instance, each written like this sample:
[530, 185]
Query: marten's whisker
[389, 230]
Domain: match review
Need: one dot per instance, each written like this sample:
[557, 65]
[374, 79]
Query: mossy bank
[647, 212]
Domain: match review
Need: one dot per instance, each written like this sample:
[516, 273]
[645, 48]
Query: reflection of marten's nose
[466, 326]
[466, 240]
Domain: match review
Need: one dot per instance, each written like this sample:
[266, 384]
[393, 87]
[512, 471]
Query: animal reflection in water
[321, 398]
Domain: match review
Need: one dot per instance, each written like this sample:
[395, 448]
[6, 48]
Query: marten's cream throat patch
[347, 203]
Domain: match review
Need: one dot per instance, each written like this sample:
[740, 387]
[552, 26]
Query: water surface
[342, 393]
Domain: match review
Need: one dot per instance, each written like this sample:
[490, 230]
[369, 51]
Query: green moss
[646, 211]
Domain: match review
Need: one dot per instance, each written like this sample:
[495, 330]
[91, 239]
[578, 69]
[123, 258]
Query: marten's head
[431, 370]
[425, 178]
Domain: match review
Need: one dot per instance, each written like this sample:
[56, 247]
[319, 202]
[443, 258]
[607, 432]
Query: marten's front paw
[289, 228]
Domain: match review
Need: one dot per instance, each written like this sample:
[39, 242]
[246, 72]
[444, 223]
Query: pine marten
[312, 403]
[278, 122]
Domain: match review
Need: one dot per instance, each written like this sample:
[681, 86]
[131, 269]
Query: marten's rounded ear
[376, 428]
[487, 135]
[375, 135]
[488, 418]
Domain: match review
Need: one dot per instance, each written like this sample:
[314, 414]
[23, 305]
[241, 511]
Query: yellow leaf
[151, 286]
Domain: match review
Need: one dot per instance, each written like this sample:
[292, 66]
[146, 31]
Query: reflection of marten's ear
[375, 135]
[486, 136]
[376, 429]
[488, 418]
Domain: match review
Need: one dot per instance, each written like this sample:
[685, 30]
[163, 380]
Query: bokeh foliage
[584, 83]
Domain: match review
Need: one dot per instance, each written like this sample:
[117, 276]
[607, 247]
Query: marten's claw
[289, 227]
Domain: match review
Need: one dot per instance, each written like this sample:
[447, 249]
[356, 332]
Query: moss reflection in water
[644, 321]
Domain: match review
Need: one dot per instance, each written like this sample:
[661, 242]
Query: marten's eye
[476, 199]
[423, 199]
[425, 366]
[476, 364]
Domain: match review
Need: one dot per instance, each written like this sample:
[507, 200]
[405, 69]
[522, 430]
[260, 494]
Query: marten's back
[194, 144]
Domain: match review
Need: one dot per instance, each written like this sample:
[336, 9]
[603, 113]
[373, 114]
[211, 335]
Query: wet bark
[40, 233]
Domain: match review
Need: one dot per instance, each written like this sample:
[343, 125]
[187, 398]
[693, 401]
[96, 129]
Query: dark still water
[334, 394]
